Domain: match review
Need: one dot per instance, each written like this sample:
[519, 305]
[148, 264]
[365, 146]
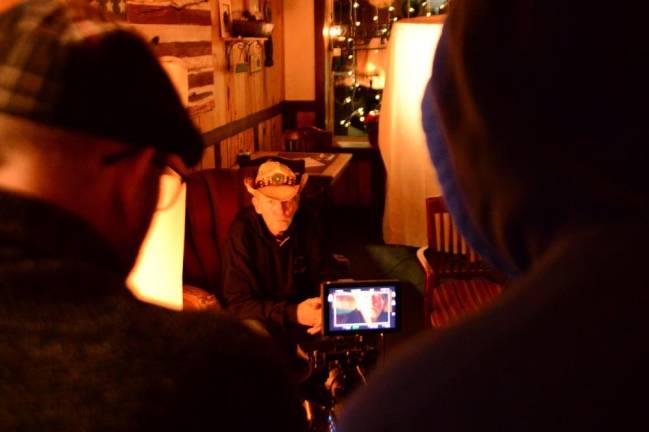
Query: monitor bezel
[328, 286]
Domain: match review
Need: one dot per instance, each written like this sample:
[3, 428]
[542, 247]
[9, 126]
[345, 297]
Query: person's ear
[257, 204]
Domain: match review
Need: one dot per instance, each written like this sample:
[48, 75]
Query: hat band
[276, 180]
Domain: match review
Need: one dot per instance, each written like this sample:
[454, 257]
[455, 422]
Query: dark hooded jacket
[535, 123]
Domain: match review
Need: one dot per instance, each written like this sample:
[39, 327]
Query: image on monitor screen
[360, 307]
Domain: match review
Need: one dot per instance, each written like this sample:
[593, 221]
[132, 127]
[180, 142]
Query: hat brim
[280, 193]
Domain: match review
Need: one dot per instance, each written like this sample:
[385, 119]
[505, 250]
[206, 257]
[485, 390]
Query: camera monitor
[353, 307]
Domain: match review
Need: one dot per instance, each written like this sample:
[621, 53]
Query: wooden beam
[220, 133]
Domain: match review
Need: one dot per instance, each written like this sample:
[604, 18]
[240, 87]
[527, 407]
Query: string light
[379, 26]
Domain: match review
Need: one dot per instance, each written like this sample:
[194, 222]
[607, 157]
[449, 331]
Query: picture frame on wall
[254, 8]
[268, 11]
[225, 18]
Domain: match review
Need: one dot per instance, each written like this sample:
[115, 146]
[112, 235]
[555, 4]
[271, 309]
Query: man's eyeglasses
[174, 174]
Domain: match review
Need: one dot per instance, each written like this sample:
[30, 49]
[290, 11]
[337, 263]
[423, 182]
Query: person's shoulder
[213, 361]
[212, 338]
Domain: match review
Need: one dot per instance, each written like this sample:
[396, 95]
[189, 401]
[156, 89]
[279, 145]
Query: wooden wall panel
[217, 96]
[270, 134]
[231, 147]
[182, 31]
[238, 95]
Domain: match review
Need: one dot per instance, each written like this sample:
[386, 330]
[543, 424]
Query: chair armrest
[430, 283]
[343, 265]
[421, 257]
[195, 298]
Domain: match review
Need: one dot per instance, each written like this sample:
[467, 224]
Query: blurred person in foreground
[88, 123]
[535, 123]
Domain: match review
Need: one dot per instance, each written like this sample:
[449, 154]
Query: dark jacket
[540, 154]
[262, 277]
[78, 352]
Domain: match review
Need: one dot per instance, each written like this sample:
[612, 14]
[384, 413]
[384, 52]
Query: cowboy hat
[275, 180]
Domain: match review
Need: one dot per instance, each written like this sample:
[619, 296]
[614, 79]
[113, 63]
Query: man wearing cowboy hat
[275, 259]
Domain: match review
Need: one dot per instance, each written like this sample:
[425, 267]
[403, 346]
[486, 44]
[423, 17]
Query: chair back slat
[443, 235]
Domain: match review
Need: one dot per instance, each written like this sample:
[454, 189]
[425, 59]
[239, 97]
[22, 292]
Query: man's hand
[309, 313]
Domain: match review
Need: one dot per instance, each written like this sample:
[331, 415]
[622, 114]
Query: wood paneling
[238, 95]
[270, 134]
[182, 30]
[230, 147]
[235, 111]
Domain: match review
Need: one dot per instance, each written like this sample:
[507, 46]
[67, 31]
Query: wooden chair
[458, 282]
[307, 139]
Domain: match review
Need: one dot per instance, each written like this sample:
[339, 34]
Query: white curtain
[410, 174]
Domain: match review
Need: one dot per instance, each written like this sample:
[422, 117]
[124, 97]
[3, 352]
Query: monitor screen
[351, 307]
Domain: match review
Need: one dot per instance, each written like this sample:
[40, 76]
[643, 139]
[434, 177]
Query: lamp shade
[410, 175]
[158, 272]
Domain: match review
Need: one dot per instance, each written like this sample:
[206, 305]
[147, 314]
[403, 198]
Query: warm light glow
[411, 176]
[335, 31]
[370, 68]
[157, 275]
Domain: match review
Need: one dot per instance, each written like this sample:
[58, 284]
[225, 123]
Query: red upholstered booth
[214, 197]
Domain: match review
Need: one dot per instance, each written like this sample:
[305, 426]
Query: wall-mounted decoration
[181, 34]
[225, 17]
[116, 7]
[256, 57]
[252, 6]
[237, 55]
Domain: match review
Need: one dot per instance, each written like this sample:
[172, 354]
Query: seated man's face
[277, 214]
[378, 304]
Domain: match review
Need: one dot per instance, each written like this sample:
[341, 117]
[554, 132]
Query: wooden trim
[319, 21]
[220, 133]
[157, 14]
[183, 49]
[200, 79]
